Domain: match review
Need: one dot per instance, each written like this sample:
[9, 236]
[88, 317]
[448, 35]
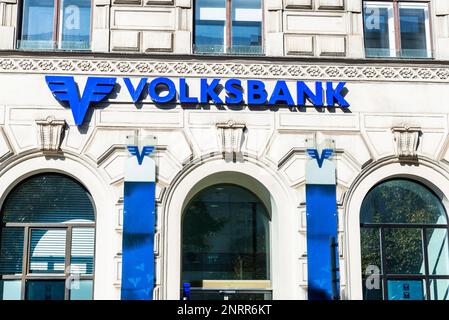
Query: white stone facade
[397, 125]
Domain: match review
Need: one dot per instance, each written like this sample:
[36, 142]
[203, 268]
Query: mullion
[228, 26]
[55, 22]
[26, 248]
[383, 263]
[426, 261]
[397, 31]
[68, 254]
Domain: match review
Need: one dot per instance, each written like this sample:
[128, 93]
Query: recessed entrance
[226, 245]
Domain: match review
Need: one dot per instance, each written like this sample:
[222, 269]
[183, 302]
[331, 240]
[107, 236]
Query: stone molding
[257, 70]
[50, 133]
[407, 140]
[230, 135]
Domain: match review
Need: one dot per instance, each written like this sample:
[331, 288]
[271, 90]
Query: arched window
[404, 238]
[47, 240]
[225, 243]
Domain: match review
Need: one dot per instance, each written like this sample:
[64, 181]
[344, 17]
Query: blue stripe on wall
[138, 241]
[321, 205]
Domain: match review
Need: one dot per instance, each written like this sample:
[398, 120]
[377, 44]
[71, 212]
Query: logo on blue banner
[325, 154]
[146, 151]
[65, 89]
[163, 90]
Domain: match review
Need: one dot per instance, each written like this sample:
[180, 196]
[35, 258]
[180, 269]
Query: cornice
[341, 70]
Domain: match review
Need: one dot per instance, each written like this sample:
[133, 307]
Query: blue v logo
[325, 154]
[65, 89]
[146, 151]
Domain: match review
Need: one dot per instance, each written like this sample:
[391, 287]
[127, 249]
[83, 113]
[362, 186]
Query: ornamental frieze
[304, 71]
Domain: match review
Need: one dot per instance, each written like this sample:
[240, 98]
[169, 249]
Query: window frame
[57, 27]
[227, 44]
[385, 276]
[397, 46]
[250, 285]
[27, 275]
[27, 227]
[423, 227]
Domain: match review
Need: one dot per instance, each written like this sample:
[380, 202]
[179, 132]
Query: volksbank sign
[216, 91]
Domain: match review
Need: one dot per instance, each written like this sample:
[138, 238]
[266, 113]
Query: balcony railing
[50, 45]
[401, 54]
[222, 50]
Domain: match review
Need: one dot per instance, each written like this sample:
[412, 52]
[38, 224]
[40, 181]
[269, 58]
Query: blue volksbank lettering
[163, 90]
[256, 92]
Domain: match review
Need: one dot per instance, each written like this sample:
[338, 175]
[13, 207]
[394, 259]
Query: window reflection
[405, 35]
[37, 24]
[47, 237]
[413, 31]
[404, 237]
[246, 26]
[75, 26]
[379, 29]
[45, 289]
[439, 289]
[235, 28]
[225, 236]
[403, 252]
[45, 28]
[210, 21]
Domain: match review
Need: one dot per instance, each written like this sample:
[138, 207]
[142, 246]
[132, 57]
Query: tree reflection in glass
[404, 234]
[225, 236]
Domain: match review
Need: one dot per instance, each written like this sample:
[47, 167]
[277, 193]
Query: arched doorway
[404, 243]
[226, 244]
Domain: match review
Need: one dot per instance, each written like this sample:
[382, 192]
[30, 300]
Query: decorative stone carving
[407, 140]
[344, 71]
[230, 135]
[50, 134]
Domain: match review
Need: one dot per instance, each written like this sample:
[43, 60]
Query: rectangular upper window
[55, 24]
[397, 29]
[228, 26]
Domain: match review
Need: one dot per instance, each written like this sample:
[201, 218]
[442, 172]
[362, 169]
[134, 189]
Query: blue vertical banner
[322, 225]
[138, 266]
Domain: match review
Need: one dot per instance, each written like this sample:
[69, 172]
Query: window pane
[233, 295]
[439, 289]
[372, 289]
[10, 289]
[81, 290]
[438, 251]
[241, 295]
[11, 251]
[82, 261]
[48, 197]
[403, 251]
[225, 236]
[413, 25]
[406, 290]
[210, 20]
[37, 24]
[45, 289]
[402, 201]
[370, 247]
[246, 26]
[75, 24]
[47, 251]
[379, 30]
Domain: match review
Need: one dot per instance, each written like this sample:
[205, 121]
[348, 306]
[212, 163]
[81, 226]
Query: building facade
[231, 176]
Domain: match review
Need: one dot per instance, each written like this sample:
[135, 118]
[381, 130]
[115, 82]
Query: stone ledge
[185, 68]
